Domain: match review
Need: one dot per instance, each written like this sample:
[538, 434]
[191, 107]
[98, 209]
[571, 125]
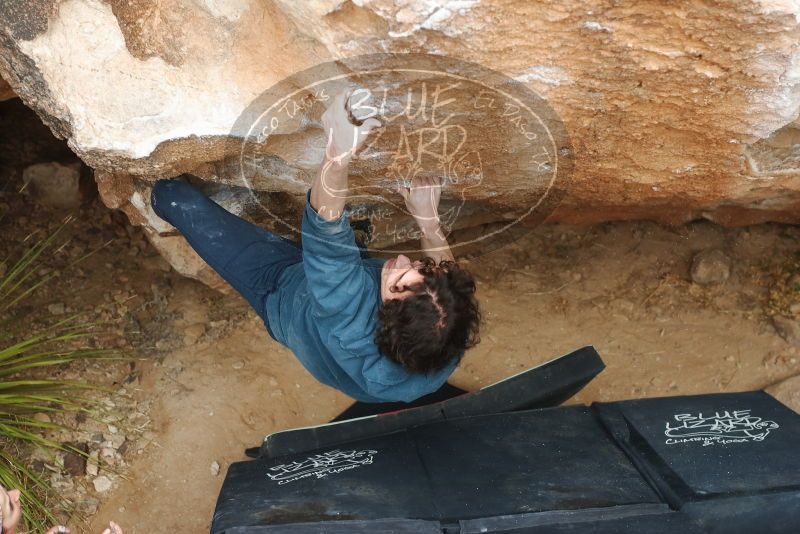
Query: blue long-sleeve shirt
[326, 310]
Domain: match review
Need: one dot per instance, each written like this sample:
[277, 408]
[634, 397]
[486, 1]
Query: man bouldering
[378, 330]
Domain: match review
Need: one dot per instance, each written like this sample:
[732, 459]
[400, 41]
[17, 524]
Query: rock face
[6, 92]
[675, 112]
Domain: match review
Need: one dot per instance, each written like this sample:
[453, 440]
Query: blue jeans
[247, 256]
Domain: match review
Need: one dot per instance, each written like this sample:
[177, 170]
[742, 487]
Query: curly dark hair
[425, 331]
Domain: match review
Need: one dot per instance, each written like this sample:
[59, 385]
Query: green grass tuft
[25, 387]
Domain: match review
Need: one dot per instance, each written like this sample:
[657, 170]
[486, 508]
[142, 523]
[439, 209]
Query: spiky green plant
[26, 390]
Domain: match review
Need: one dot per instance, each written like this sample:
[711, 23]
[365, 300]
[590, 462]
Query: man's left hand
[422, 200]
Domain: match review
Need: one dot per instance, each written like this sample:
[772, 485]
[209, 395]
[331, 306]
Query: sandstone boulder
[675, 112]
[6, 92]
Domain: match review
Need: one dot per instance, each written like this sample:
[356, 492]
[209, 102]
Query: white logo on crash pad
[321, 465]
[737, 426]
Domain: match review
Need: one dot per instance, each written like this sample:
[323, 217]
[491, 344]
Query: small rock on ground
[55, 184]
[102, 484]
[74, 463]
[788, 328]
[711, 267]
[57, 309]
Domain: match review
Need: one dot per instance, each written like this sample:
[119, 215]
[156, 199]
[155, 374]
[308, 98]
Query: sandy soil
[623, 288]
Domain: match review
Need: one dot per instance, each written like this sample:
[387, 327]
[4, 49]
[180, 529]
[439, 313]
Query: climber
[377, 330]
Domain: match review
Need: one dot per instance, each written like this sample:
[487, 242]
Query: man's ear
[14, 495]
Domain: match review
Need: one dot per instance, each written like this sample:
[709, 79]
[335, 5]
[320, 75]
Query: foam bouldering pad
[729, 459]
[526, 462]
[548, 384]
[632, 519]
[513, 463]
[725, 463]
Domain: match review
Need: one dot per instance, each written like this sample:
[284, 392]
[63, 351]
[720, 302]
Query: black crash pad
[548, 384]
[329, 485]
[502, 464]
[528, 461]
[727, 459]
[383, 526]
[367, 409]
[638, 519]
[705, 445]
[718, 463]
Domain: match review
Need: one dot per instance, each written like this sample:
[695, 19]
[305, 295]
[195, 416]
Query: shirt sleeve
[337, 279]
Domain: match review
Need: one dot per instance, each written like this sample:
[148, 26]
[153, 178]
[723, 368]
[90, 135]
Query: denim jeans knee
[158, 195]
[166, 192]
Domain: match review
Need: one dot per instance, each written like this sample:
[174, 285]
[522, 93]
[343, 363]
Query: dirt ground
[623, 288]
[216, 383]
